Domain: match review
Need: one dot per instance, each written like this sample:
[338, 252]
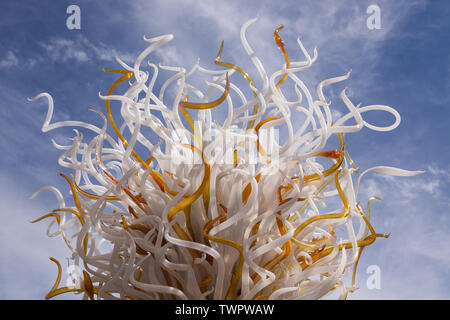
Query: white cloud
[63, 50]
[170, 56]
[10, 60]
[432, 182]
[444, 173]
[102, 52]
[81, 49]
[369, 188]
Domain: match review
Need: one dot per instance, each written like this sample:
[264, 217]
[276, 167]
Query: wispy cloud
[63, 50]
[81, 49]
[10, 60]
[434, 183]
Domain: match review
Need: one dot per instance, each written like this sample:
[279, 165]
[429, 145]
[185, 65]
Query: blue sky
[405, 65]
